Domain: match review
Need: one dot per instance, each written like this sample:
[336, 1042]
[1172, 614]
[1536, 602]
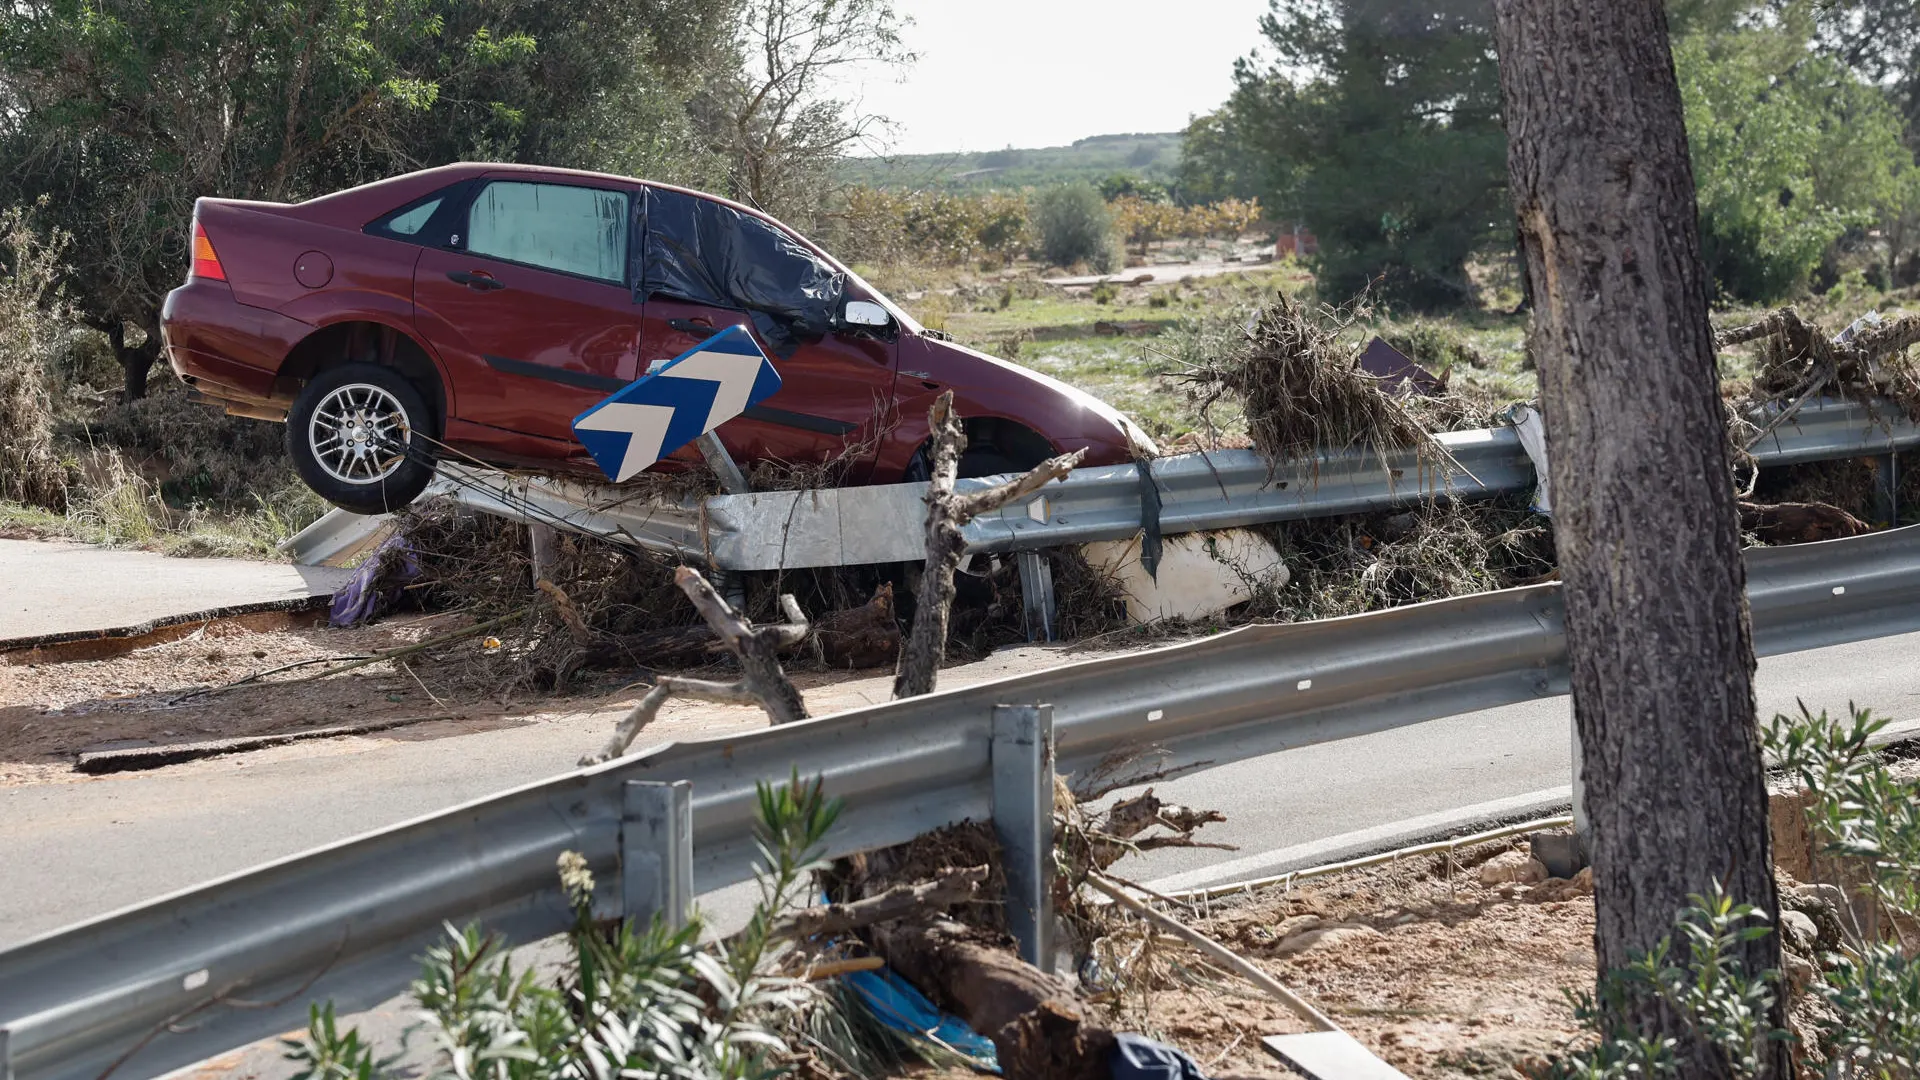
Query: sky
[1031, 73]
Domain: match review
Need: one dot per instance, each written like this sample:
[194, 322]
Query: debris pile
[1305, 391]
[1798, 361]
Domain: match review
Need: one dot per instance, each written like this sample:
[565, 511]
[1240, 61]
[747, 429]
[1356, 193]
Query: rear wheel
[354, 434]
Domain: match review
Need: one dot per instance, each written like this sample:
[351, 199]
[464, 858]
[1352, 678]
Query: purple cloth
[376, 585]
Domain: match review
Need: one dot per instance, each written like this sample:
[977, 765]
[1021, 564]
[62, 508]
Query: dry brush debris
[1305, 393]
[1799, 362]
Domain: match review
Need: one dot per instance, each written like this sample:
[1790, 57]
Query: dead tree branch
[762, 681]
[1239, 964]
[947, 515]
[1800, 361]
[953, 886]
[757, 650]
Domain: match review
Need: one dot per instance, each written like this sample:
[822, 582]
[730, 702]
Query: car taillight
[205, 263]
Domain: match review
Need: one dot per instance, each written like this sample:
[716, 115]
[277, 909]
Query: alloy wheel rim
[359, 433]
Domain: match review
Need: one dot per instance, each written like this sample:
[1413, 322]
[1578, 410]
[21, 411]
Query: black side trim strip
[582, 379]
[803, 421]
[763, 413]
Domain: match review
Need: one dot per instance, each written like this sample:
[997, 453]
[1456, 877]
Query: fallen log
[1039, 1030]
[1799, 523]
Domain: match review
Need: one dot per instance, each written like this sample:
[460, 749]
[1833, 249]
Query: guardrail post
[1565, 856]
[1036, 594]
[732, 480]
[542, 542]
[1023, 818]
[656, 851]
[6, 1059]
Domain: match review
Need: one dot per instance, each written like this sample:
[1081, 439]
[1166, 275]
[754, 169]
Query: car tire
[354, 433]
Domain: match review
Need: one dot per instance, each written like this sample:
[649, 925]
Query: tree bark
[136, 361]
[1645, 517]
[947, 514]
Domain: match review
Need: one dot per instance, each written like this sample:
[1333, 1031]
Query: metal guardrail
[346, 921]
[1215, 490]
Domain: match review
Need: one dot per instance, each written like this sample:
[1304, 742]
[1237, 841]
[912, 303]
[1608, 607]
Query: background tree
[1646, 524]
[1376, 123]
[771, 110]
[125, 111]
[1217, 161]
[1791, 151]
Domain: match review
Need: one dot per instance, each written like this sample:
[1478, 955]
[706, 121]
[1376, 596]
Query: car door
[836, 389]
[534, 291]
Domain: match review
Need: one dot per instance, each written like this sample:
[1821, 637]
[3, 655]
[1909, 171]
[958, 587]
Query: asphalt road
[51, 587]
[72, 851]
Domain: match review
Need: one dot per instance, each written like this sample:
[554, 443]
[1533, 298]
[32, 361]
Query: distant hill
[1148, 156]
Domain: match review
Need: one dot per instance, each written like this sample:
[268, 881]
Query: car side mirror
[866, 313]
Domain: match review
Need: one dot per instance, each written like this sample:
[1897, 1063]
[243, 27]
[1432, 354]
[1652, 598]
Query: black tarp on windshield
[705, 252]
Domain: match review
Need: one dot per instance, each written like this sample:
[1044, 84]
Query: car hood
[954, 360]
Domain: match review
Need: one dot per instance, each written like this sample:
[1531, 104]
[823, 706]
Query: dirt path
[1435, 972]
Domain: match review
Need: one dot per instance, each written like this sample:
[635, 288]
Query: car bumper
[222, 347]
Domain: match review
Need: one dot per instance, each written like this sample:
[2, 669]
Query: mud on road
[59, 702]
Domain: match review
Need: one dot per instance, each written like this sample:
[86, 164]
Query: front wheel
[354, 434]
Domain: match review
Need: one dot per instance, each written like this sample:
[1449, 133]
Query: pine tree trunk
[1645, 517]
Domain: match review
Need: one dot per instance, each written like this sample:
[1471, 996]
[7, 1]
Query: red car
[472, 311]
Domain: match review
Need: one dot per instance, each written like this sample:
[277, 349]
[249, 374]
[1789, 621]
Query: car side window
[410, 222]
[426, 220]
[575, 230]
[707, 252]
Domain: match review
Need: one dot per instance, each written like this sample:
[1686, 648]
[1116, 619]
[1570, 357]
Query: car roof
[355, 206]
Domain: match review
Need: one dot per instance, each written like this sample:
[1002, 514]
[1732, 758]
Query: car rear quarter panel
[371, 277]
[214, 339]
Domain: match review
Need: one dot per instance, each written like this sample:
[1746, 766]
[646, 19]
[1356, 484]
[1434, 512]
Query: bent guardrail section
[774, 530]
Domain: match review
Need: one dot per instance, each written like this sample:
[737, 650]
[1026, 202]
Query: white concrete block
[1201, 574]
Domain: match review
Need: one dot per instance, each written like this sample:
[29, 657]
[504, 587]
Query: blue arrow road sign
[685, 398]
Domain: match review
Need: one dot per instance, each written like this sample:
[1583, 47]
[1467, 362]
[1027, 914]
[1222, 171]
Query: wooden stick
[762, 683]
[953, 886]
[1217, 951]
[835, 968]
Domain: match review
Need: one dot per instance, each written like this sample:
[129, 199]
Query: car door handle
[695, 327]
[478, 280]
